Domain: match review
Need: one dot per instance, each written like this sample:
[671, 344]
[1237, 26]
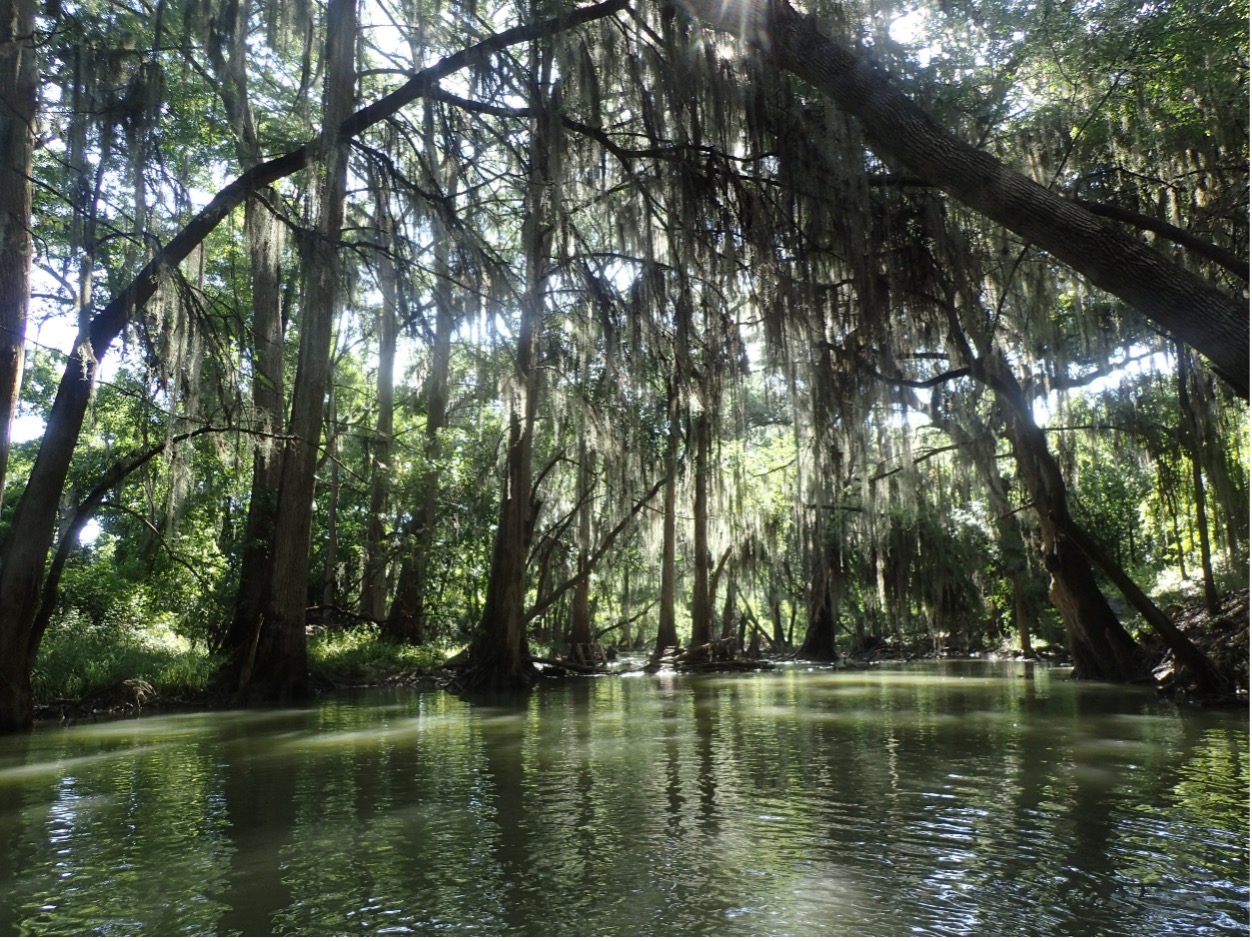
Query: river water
[949, 798]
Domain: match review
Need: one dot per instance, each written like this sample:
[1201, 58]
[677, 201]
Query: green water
[936, 799]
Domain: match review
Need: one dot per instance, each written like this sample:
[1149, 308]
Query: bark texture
[279, 672]
[1099, 644]
[18, 80]
[667, 630]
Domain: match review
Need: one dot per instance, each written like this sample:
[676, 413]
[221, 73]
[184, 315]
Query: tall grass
[359, 655]
[77, 657]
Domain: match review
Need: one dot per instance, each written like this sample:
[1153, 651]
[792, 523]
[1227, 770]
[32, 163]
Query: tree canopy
[537, 324]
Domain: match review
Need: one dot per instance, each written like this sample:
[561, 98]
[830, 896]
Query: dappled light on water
[950, 799]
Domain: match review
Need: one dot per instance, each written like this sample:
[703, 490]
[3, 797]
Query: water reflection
[940, 799]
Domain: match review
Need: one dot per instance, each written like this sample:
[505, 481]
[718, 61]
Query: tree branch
[553, 596]
[1214, 253]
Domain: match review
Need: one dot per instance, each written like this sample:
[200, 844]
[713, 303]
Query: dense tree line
[535, 324]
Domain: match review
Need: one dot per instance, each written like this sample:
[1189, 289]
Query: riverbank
[147, 677]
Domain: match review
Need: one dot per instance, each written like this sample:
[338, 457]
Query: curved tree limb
[1189, 308]
[87, 508]
[25, 551]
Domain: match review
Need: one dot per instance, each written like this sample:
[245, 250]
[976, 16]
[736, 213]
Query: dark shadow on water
[509, 700]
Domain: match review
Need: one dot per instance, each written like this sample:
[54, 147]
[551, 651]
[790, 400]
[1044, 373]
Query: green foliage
[357, 655]
[78, 656]
[775, 258]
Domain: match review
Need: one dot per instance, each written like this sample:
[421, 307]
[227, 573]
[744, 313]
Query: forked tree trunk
[1206, 677]
[279, 670]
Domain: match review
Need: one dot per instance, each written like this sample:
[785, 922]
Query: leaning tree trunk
[1183, 304]
[1207, 678]
[1100, 646]
[279, 670]
[19, 78]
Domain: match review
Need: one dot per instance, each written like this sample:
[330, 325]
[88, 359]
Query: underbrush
[77, 657]
[359, 655]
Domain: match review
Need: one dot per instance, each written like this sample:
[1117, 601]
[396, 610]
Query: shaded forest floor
[1223, 638]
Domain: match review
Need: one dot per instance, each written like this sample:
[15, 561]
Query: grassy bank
[78, 658]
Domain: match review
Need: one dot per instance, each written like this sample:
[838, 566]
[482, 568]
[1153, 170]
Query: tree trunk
[732, 624]
[1100, 646]
[667, 631]
[1021, 616]
[499, 657]
[374, 581]
[1183, 304]
[580, 611]
[779, 641]
[701, 604]
[823, 621]
[1205, 675]
[263, 233]
[330, 566]
[1191, 437]
[19, 79]
[978, 443]
[279, 672]
[406, 622]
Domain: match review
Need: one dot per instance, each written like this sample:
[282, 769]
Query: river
[937, 798]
